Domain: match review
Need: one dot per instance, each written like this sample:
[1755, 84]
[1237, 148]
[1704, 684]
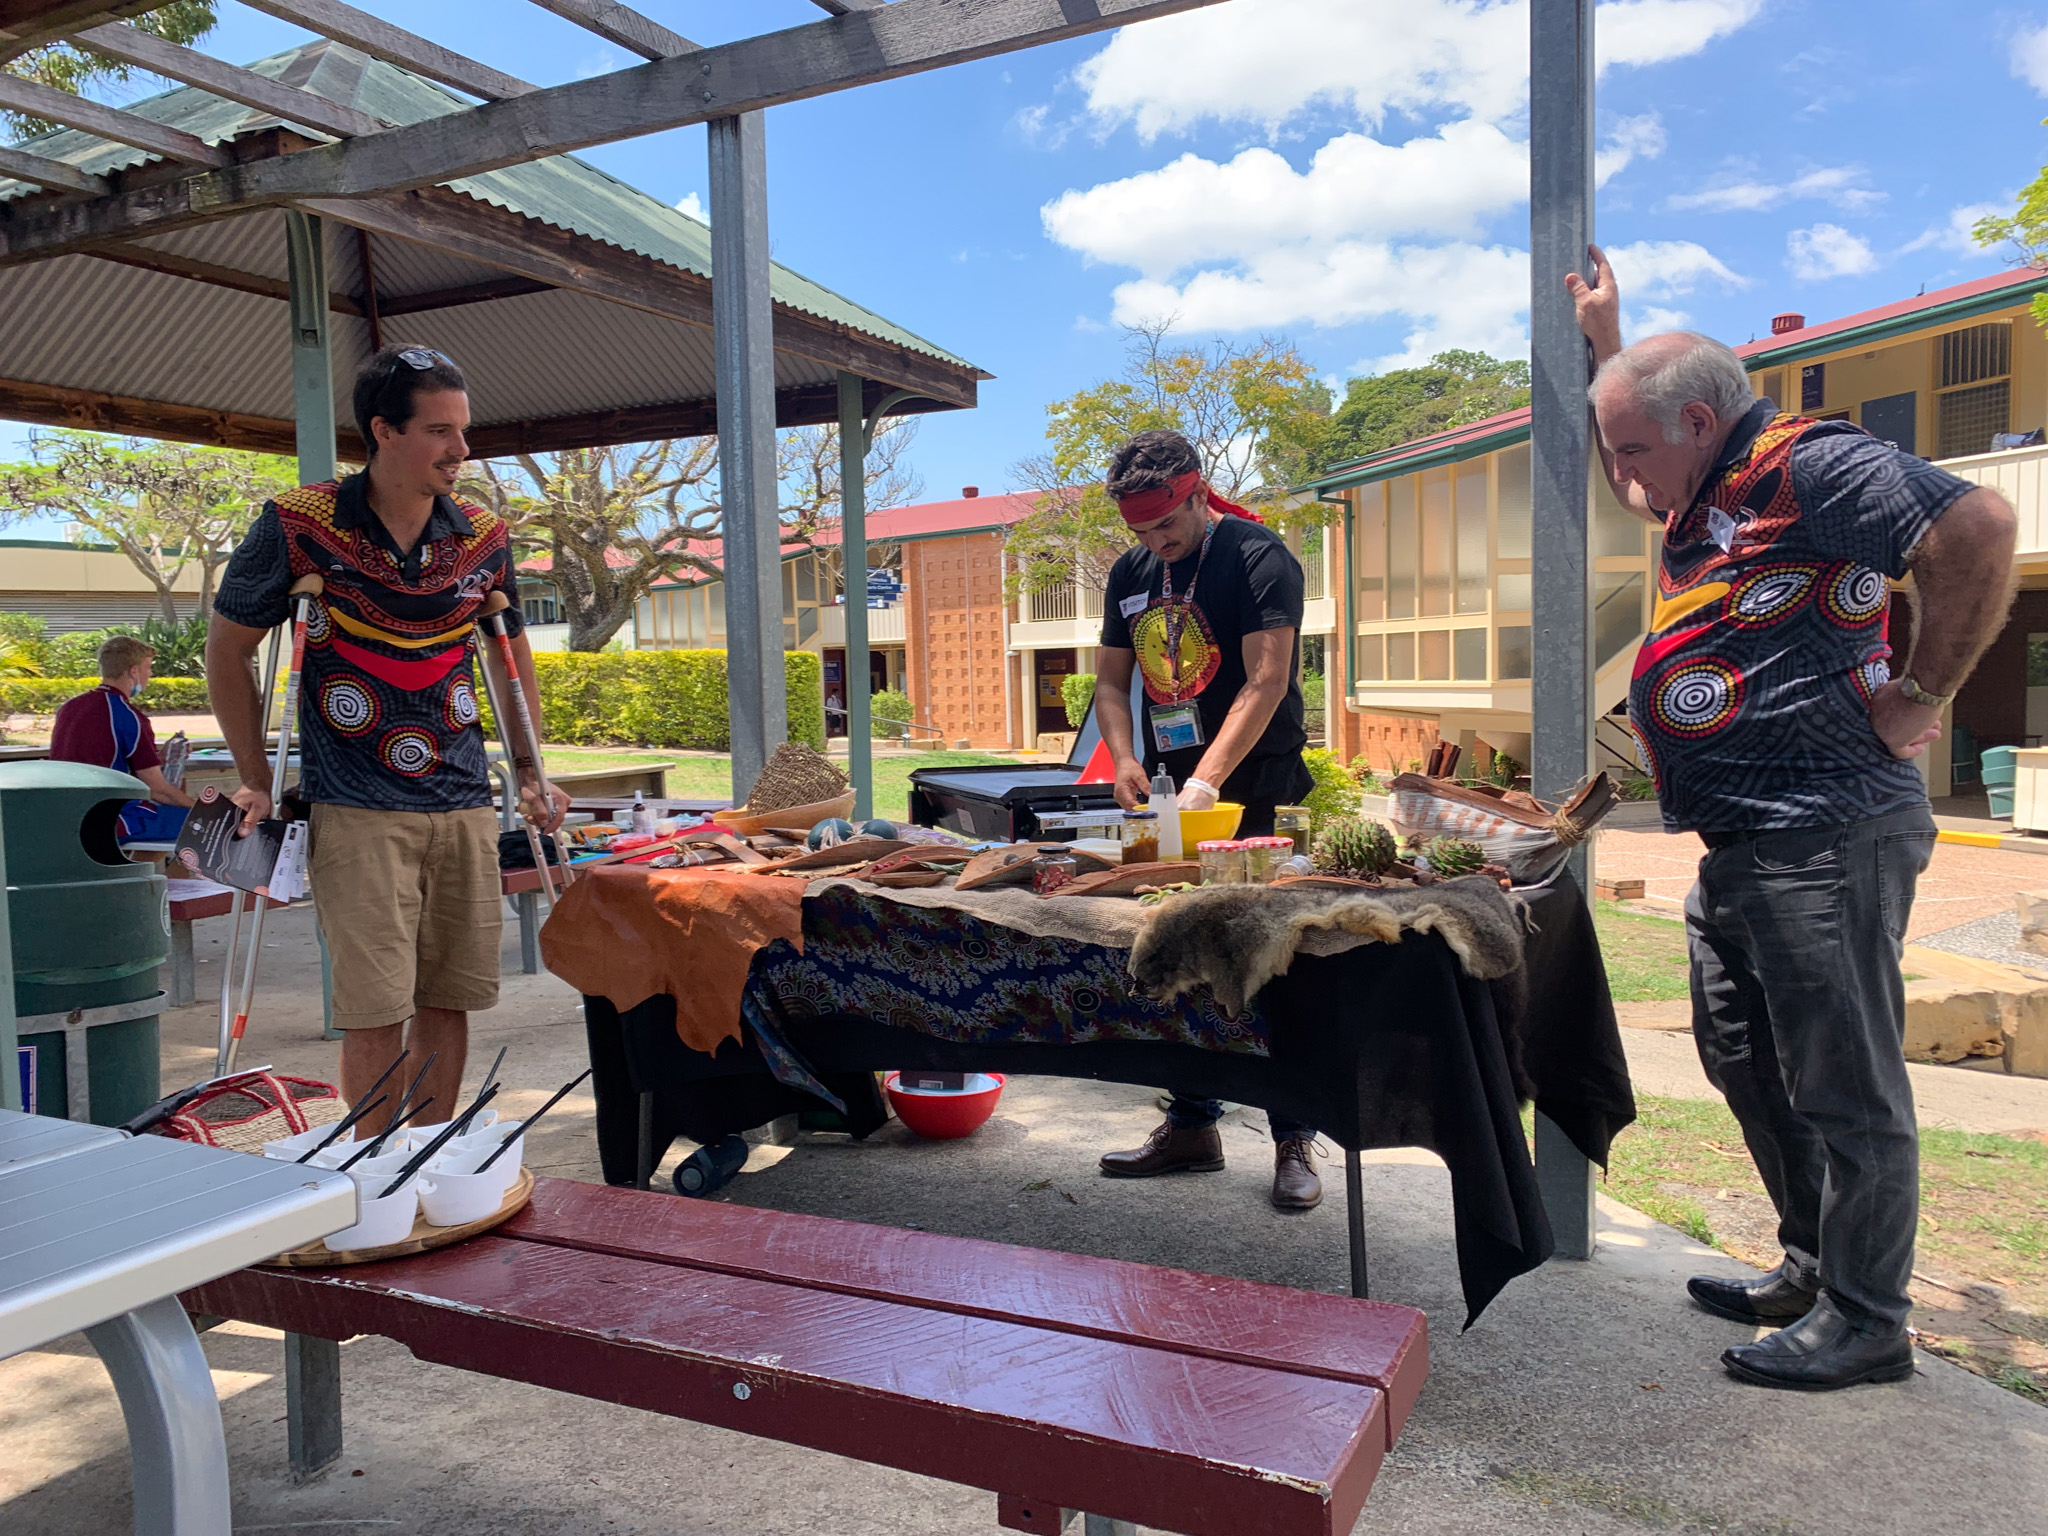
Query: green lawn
[1645, 955]
[694, 777]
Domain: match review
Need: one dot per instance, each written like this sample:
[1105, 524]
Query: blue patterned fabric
[945, 974]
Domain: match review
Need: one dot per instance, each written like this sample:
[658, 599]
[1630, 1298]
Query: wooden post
[742, 318]
[1561, 692]
[853, 558]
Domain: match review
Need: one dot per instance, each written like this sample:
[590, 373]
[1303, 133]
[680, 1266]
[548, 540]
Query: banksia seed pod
[1355, 847]
[1454, 856]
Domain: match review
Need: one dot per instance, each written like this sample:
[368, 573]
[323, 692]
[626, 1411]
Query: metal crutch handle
[303, 592]
[495, 604]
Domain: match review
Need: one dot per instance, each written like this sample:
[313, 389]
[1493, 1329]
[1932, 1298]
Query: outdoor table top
[667, 806]
[26, 1139]
[114, 1224]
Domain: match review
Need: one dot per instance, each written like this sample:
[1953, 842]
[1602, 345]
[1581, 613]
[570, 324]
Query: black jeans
[1799, 1013]
[1196, 1113]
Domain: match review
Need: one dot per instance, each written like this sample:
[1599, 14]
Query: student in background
[102, 726]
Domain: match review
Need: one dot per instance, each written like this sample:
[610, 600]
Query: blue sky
[1347, 174]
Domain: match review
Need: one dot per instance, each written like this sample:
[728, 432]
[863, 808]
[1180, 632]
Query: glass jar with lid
[1222, 861]
[1141, 837]
[1263, 857]
[1054, 871]
[1292, 823]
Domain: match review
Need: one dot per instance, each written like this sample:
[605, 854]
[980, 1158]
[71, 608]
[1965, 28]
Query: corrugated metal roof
[562, 190]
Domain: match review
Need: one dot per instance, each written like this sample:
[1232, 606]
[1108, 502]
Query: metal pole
[742, 321]
[312, 346]
[853, 557]
[1561, 692]
[10, 1039]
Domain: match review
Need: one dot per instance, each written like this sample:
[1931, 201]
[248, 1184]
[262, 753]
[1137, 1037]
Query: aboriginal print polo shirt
[1751, 695]
[388, 718]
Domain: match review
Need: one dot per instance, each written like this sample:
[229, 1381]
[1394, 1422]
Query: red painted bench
[1186, 1402]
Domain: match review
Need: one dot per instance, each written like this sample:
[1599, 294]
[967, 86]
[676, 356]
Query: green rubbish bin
[89, 928]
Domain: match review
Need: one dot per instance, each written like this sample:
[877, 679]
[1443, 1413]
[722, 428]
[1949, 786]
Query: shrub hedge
[638, 698]
[44, 695]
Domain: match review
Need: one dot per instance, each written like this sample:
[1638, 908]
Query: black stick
[560, 1094]
[425, 1067]
[453, 1129]
[370, 1148]
[335, 1135]
[362, 1105]
[491, 1076]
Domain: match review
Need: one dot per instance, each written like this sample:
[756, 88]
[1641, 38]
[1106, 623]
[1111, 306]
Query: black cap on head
[390, 381]
[1149, 461]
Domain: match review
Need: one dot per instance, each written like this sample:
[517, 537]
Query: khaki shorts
[409, 904]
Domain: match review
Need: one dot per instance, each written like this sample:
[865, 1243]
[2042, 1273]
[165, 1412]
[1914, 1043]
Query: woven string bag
[250, 1111]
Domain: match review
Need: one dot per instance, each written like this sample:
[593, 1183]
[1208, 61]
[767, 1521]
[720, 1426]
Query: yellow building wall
[80, 570]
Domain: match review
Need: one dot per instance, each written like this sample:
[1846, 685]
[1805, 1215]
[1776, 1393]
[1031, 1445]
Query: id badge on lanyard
[1178, 726]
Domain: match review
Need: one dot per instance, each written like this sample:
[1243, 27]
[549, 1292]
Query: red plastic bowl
[944, 1116]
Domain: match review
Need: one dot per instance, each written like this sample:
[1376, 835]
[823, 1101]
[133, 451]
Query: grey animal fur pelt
[1236, 938]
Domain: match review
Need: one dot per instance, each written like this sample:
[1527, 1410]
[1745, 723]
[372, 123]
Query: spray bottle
[1166, 807]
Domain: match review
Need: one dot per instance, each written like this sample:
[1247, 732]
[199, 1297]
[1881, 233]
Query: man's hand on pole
[547, 813]
[1598, 304]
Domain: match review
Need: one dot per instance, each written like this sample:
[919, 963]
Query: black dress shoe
[1821, 1352]
[1773, 1299]
[1169, 1149]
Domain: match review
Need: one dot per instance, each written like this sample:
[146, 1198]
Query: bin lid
[45, 774]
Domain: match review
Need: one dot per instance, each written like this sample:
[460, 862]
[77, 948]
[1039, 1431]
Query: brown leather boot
[1169, 1149]
[1295, 1184]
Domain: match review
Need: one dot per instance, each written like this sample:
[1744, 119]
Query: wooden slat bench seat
[1186, 1402]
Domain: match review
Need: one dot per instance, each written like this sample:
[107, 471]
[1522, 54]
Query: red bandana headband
[1145, 507]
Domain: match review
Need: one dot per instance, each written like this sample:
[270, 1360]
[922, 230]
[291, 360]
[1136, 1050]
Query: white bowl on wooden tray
[451, 1199]
[466, 1153]
[378, 1221]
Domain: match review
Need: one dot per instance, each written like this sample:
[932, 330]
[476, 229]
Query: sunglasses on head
[420, 359]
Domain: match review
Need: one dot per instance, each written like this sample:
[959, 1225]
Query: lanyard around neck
[1177, 615]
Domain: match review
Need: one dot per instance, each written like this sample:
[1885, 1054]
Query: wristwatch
[1916, 695]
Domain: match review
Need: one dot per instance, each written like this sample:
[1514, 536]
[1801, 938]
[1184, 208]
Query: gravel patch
[1996, 937]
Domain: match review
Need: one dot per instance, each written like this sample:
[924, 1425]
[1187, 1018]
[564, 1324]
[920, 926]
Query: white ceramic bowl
[465, 1153]
[450, 1199]
[417, 1136]
[288, 1149]
[378, 1221]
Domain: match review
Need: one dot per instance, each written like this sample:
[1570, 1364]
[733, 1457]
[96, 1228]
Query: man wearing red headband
[1207, 610]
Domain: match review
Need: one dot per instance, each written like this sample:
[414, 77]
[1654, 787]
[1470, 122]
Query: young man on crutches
[404, 859]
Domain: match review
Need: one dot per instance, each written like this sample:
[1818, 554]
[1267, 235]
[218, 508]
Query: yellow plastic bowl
[1218, 821]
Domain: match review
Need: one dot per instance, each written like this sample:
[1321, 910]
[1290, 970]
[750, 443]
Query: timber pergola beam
[623, 25]
[892, 41]
[188, 66]
[88, 116]
[26, 24]
[51, 405]
[450, 222]
[57, 175]
[394, 45]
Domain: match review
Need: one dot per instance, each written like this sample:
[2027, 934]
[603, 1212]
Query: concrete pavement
[1586, 1401]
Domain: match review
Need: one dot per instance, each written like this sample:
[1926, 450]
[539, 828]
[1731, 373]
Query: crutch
[222, 1056]
[522, 747]
[305, 592]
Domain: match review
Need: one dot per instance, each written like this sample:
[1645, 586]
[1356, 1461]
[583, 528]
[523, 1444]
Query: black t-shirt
[1247, 582]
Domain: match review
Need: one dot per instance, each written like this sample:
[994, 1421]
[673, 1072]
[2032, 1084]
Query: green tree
[1240, 406]
[1453, 389]
[2025, 232]
[166, 506]
[612, 522]
[67, 67]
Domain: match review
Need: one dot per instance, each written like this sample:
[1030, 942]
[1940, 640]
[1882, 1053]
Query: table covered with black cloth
[1380, 1045]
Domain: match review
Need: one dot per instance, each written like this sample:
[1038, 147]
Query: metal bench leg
[184, 986]
[174, 1436]
[1564, 1176]
[528, 903]
[1102, 1525]
[312, 1404]
[1354, 1211]
[643, 1165]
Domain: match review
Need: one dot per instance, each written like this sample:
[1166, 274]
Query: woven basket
[245, 1114]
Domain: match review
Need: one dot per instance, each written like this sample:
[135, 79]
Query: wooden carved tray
[317, 1255]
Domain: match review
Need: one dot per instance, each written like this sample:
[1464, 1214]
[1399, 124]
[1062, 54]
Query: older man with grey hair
[1766, 707]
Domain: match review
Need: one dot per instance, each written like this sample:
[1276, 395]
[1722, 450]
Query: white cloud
[693, 205]
[2030, 57]
[1662, 269]
[1827, 250]
[1651, 320]
[1262, 61]
[1194, 210]
[1632, 137]
[1840, 185]
[1954, 235]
